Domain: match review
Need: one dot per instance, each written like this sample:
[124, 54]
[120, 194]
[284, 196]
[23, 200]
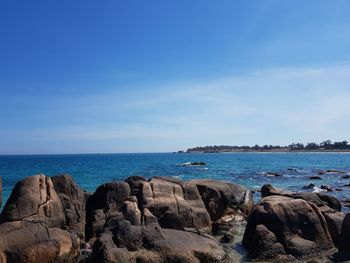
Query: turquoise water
[247, 169]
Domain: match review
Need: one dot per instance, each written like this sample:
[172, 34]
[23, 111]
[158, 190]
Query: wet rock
[193, 164]
[284, 226]
[346, 176]
[271, 174]
[198, 163]
[227, 238]
[268, 190]
[327, 188]
[308, 187]
[315, 177]
[332, 171]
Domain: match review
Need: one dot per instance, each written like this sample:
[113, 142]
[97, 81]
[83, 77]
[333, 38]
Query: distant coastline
[325, 146]
[269, 151]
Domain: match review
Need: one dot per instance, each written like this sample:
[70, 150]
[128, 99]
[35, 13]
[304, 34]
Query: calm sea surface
[247, 169]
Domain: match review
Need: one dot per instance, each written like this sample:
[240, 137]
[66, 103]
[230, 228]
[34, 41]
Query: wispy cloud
[267, 106]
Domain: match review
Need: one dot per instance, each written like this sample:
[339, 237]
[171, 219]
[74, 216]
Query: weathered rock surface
[296, 225]
[149, 226]
[284, 227]
[151, 243]
[221, 198]
[334, 223]
[135, 183]
[33, 222]
[73, 200]
[164, 220]
[34, 199]
[174, 203]
[107, 199]
[322, 201]
[33, 242]
[160, 220]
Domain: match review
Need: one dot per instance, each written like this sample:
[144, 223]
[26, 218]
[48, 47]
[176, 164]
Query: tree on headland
[311, 146]
[296, 146]
[326, 144]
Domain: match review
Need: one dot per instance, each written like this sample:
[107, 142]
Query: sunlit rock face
[34, 224]
[159, 220]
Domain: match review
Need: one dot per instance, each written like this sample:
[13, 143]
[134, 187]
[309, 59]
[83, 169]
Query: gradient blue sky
[150, 76]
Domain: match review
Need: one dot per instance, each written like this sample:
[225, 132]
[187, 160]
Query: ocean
[248, 169]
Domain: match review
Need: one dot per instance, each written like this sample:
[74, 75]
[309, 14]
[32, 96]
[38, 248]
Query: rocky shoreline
[163, 219]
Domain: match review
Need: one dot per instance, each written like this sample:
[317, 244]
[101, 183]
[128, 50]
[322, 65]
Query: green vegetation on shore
[327, 145]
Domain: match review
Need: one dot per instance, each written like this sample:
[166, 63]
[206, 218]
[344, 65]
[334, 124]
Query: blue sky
[151, 76]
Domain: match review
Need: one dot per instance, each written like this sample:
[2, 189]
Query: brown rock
[33, 242]
[127, 243]
[322, 201]
[287, 226]
[222, 198]
[175, 204]
[131, 212]
[30, 224]
[34, 199]
[334, 223]
[108, 197]
[73, 200]
[135, 183]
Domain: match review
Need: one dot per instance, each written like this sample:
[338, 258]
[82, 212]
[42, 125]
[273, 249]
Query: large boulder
[28, 242]
[34, 199]
[323, 201]
[107, 199]
[222, 198]
[33, 224]
[125, 242]
[149, 225]
[135, 183]
[334, 222]
[283, 227]
[73, 199]
[156, 221]
[174, 203]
